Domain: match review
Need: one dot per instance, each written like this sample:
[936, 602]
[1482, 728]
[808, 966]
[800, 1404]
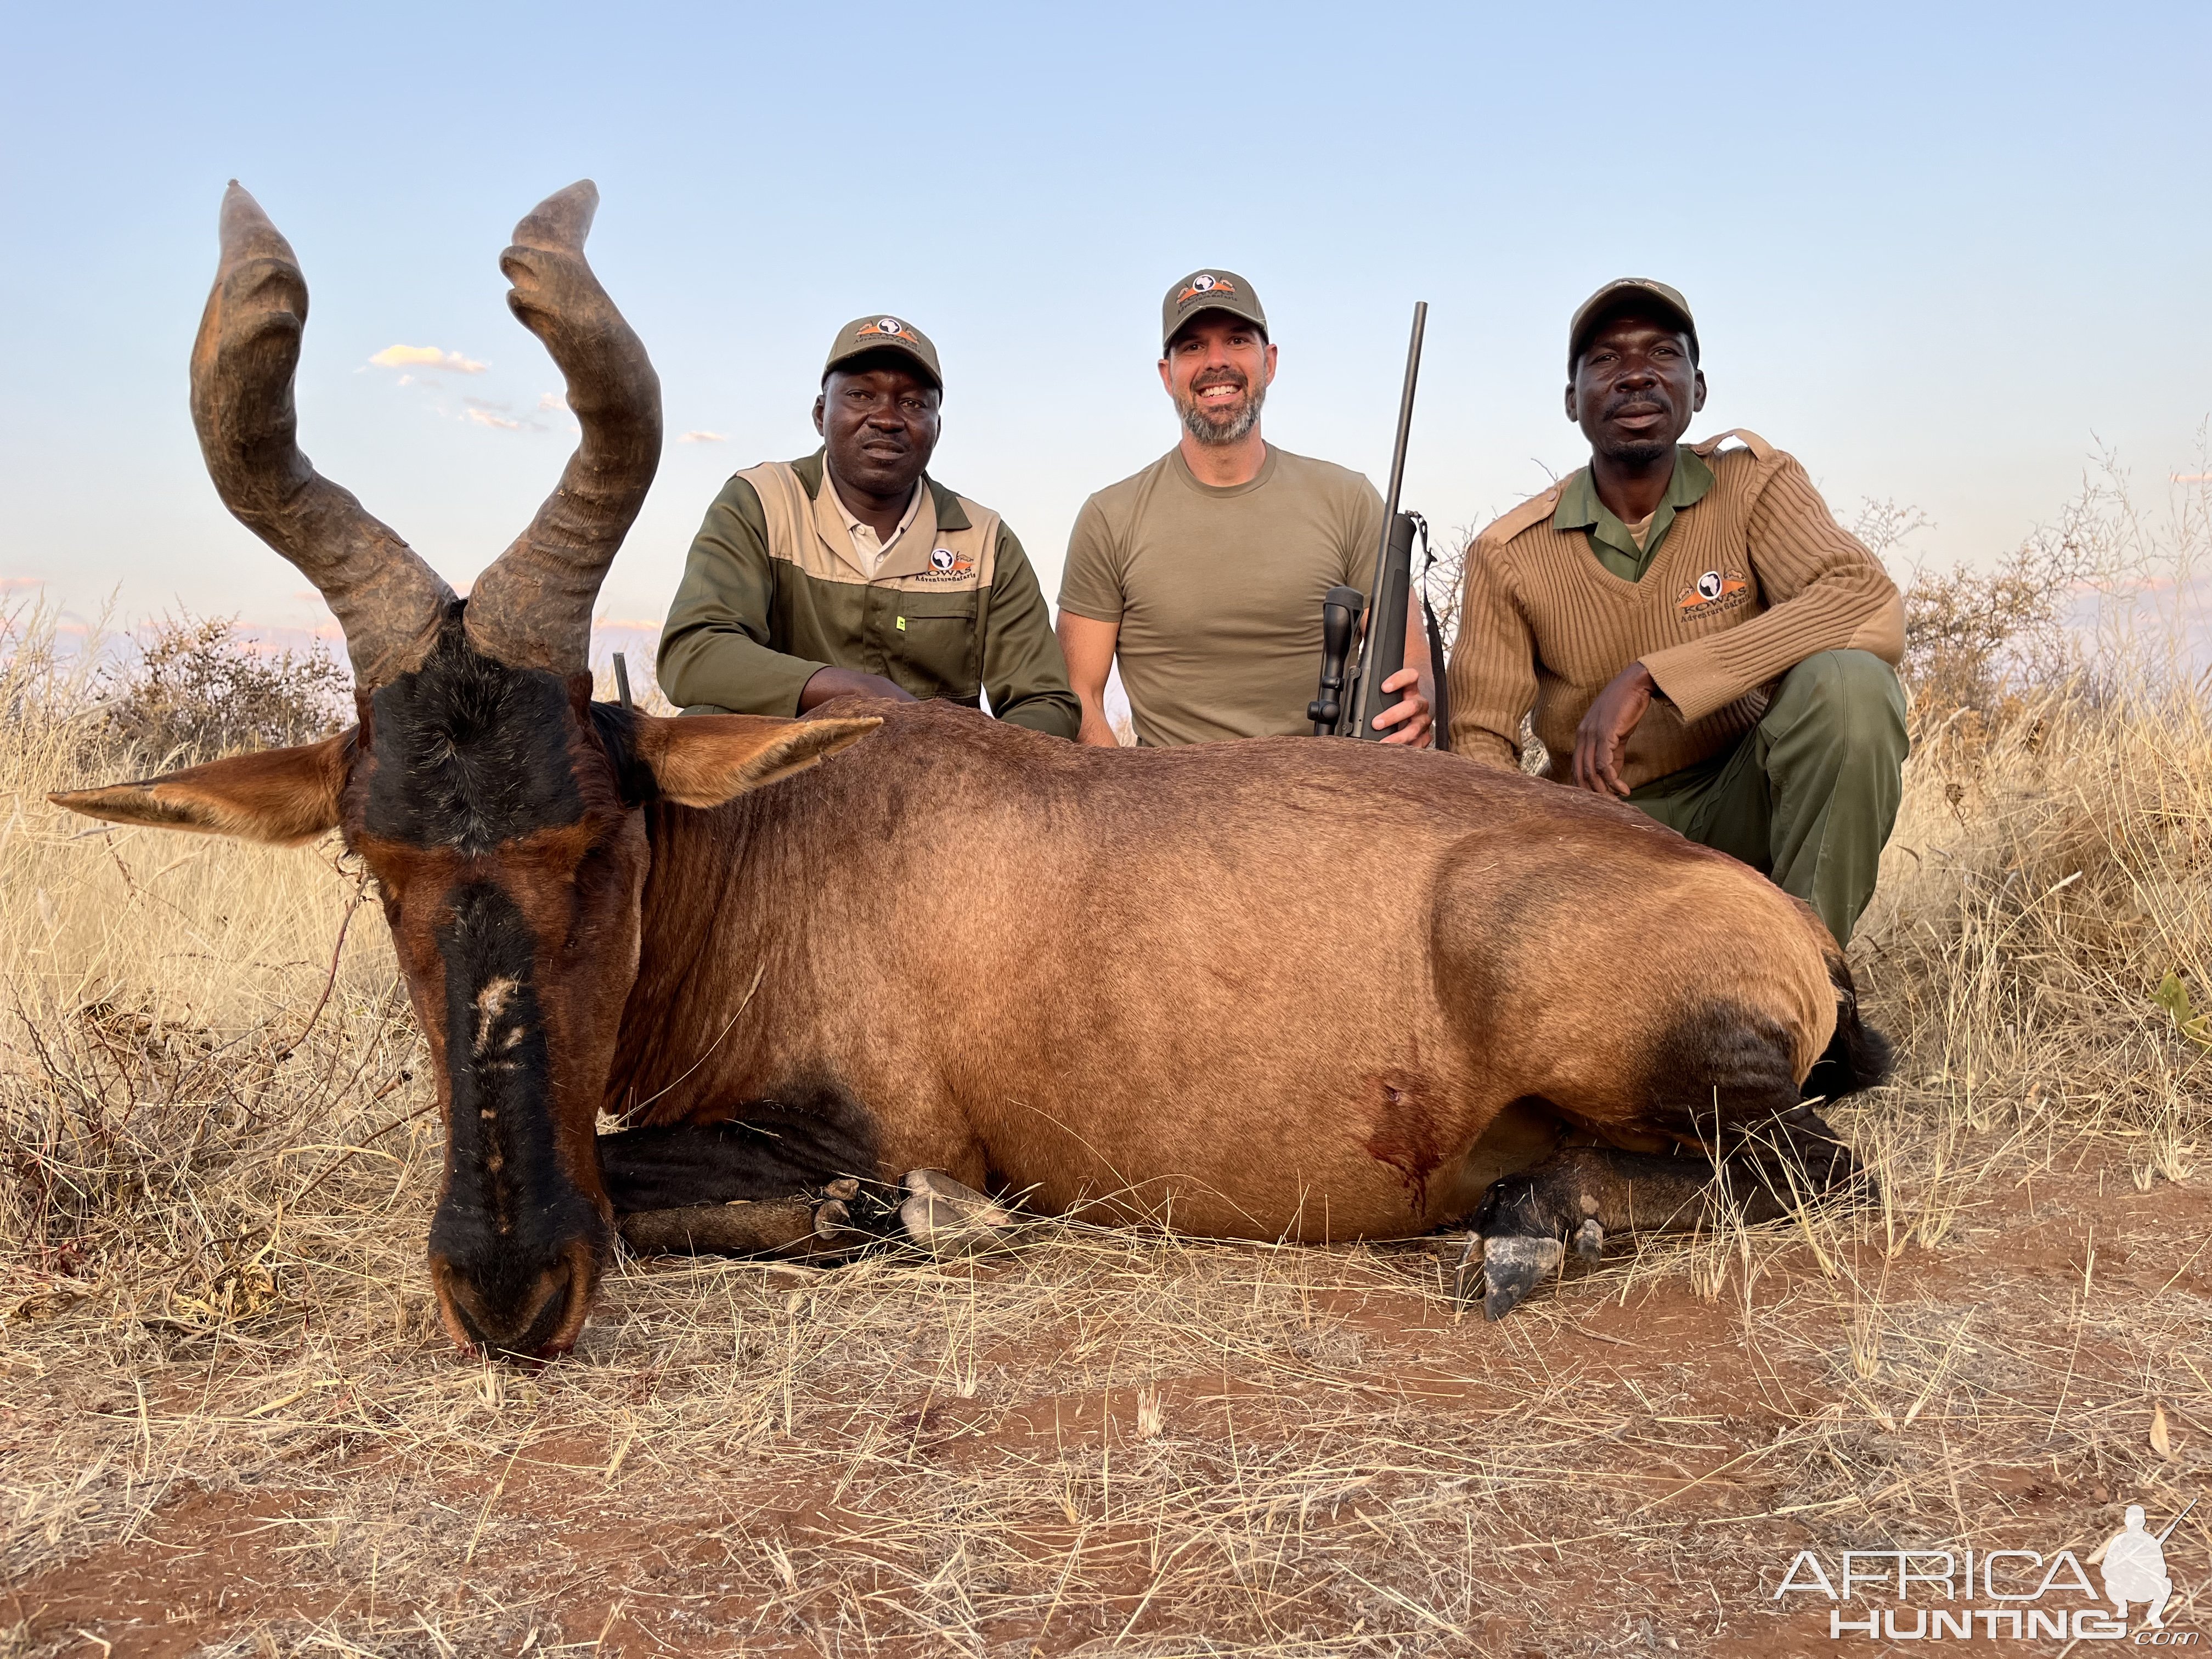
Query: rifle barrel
[1365, 679]
[1405, 417]
[2177, 1521]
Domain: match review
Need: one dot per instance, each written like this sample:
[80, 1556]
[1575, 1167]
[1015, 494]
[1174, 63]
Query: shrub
[198, 689]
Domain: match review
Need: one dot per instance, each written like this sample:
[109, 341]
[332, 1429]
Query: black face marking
[509, 1213]
[470, 753]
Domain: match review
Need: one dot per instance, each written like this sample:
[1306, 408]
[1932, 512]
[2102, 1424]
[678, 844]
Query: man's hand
[1411, 717]
[830, 682]
[1606, 728]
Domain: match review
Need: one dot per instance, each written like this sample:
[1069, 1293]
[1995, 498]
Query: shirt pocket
[934, 652]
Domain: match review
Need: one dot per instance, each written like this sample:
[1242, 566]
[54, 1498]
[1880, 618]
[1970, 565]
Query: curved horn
[533, 609]
[388, 601]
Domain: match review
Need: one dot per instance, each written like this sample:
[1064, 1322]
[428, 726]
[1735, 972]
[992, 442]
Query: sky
[1942, 253]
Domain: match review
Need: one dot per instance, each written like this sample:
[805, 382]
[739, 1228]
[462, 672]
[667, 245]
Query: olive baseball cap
[1208, 290]
[884, 332]
[1619, 294]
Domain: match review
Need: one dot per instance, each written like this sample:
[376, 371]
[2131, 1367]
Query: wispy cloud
[700, 436]
[485, 417]
[20, 584]
[552, 402]
[408, 356]
[2192, 477]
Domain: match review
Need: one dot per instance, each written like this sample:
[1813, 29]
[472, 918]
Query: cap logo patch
[886, 327]
[1712, 593]
[1204, 283]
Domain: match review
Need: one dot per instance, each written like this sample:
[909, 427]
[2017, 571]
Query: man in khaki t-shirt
[1204, 573]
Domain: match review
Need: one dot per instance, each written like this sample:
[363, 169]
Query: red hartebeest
[1286, 987]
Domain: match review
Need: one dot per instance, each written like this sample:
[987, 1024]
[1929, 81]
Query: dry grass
[229, 1425]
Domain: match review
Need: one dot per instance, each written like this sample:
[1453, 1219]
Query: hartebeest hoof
[1512, 1267]
[947, 1218]
[1589, 1240]
[834, 1233]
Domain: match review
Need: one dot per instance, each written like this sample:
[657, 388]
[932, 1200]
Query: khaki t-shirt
[1217, 591]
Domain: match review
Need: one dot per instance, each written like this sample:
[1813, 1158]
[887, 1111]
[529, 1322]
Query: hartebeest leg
[783, 1176]
[1581, 1194]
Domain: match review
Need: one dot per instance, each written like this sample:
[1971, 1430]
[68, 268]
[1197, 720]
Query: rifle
[2177, 1521]
[1351, 694]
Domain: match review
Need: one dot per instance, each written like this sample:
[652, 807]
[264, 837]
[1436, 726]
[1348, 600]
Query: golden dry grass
[230, 1426]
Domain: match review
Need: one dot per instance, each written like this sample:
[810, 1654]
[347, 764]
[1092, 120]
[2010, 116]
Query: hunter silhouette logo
[1714, 591]
[2025, 1596]
[2133, 1563]
[1206, 283]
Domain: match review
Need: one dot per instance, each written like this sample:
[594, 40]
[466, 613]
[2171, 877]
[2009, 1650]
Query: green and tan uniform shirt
[774, 589]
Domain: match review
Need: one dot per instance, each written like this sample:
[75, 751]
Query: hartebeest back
[1084, 976]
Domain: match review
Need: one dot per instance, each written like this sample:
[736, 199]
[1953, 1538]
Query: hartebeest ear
[281, 795]
[702, 760]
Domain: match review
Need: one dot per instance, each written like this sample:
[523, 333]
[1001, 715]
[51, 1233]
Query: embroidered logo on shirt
[1712, 593]
[1205, 283]
[944, 562]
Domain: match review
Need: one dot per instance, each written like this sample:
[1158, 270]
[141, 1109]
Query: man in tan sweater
[1688, 626]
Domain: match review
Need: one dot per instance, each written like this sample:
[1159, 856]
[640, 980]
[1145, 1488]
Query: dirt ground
[1108, 1443]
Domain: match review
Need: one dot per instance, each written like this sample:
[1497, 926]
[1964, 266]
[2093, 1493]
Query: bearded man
[1204, 573]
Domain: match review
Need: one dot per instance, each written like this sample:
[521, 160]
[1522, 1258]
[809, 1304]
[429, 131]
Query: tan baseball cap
[1617, 295]
[1208, 290]
[884, 332]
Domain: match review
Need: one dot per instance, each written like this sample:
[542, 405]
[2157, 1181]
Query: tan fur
[1281, 986]
[283, 796]
[705, 760]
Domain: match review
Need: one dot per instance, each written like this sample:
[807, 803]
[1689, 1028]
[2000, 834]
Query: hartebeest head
[500, 810]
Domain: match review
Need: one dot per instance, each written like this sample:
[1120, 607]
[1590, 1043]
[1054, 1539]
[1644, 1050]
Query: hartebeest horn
[387, 601]
[533, 609]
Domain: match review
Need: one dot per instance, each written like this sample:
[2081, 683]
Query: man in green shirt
[1203, 575]
[854, 573]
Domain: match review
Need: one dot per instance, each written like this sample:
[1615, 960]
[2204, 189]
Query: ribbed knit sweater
[1751, 580]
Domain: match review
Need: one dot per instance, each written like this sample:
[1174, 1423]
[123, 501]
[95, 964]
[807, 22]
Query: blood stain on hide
[1403, 1132]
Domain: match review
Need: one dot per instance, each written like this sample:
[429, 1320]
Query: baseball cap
[884, 332]
[1618, 293]
[1214, 289]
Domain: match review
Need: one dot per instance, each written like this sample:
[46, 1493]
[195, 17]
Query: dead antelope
[1281, 988]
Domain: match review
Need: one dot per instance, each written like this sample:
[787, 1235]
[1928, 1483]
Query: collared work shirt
[872, 549]
[1615, 545]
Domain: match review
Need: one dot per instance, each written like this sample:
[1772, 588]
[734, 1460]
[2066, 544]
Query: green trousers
[1807, 796]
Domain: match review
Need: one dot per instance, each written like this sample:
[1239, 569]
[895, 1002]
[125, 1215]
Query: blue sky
[1937, 252]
